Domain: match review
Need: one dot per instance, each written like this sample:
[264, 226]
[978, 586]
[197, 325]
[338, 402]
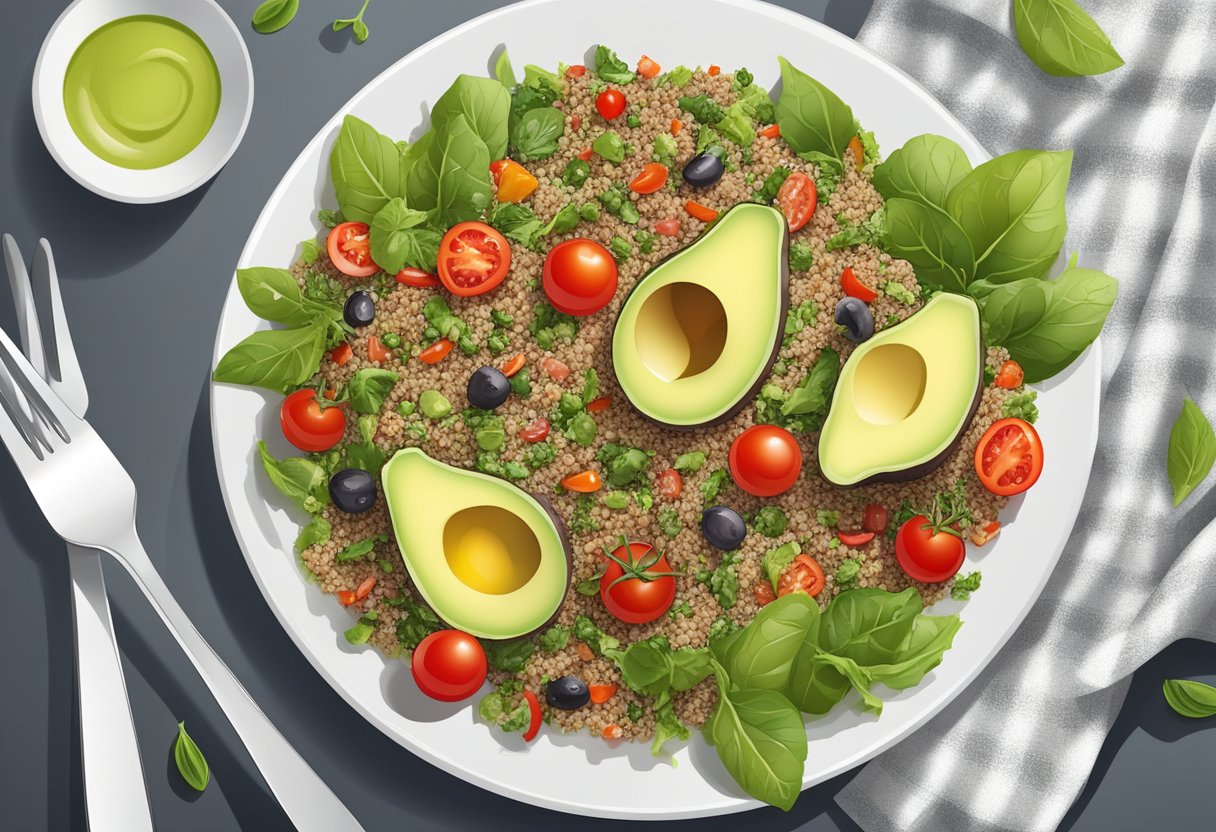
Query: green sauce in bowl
[142, 91]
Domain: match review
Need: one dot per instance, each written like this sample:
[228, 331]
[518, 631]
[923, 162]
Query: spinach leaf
[712, 485]
[273, 15]
[367, 168]
[1062, 39]
[1189, 698]
[703, 108]
[812, 117]
[869, 624]
[316, 533]
[298, 478]
[397, 240]
[924, 170]
[1191, 452]
[932, 242]
[368, 387]
[515, 221]
[651, 667]
[538, 78]
[1012, 210]
[503, 71]
[770, 521]
[485, 105]
[775, 560]
[450, 178]
[815, 392]
[555, 638]
[1046, 324]
[609, 67]
[274, 295]
[761, 656]
[509, 656]
[535, 135]
[277, 359]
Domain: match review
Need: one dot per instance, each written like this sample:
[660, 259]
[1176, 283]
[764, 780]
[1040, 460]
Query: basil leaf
[760, 738]
[611, 68]
[450, 177]
[542, 79]
[509, 656]
[190, 761]
[367, 168]
[277, 359]
[368, 387]
[1191, 452]
[762, 655]
[503, 71]
[516, 221]
[812, 118]
[815, 392]
[535, 135]
[1012, 210]
[1046, 324]
[297, 478]
[273, 15]
[397, 241]
[924, 170]
[317, 532]
[869, 625]
[274, 294]
[931, 637]
[1062, 39]
[1190, 699]
[485, 105]
[775, 560]
[935, 245]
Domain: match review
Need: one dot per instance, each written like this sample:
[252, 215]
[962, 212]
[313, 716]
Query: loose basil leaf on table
[368, 170]
[931, 240]
[924, 170]
[485, 105]
[450, 175]
[1189, 698]
[190, 761]
[273, 15]
[812, 118]
[1191, 452]
[1062, 39]
[276, 359]
[397, 239]
[298, 478]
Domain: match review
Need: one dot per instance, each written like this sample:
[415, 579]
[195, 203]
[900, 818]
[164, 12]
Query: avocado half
[697, 336]
[905, 397]
[488, 557]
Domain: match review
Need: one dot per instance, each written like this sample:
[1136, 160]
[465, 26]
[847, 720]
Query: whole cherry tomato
[928, 553]
[765, 460]
[449, 665]
[309, 426]
[638, 585]
[579, 276]
[610, 103]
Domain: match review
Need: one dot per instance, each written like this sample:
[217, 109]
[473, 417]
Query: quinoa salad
[634, 400]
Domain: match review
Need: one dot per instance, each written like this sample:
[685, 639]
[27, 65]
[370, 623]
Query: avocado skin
[783, 281]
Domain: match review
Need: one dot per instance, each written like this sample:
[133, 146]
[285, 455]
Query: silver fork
[115, 797]
[89, 500]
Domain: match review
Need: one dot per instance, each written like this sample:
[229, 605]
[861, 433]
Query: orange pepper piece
[515, 183]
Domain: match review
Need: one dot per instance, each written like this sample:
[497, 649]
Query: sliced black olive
[855, 317]
[488, 388]
[704, 169]
[352, 490]
[359, 309]
[723, 527]
[569, 693]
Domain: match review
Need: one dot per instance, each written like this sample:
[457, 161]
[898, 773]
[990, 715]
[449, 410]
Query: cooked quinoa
[399, 312]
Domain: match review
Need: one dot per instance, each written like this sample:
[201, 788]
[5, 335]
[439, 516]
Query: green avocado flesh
[488, 557]
[698, 334]
[905, 396]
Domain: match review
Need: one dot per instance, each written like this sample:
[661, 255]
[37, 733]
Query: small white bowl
[214, 28]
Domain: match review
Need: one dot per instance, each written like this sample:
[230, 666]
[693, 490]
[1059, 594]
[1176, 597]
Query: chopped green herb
[616, 499]
[703, 108]
[964, 585]
[576, 173]
[1021, 406]
[582, 521]
[900, 292]
[669, 522]
[521, 383]
[554, 638]
[712, 485]
[802, 257]
[827, 519]
[434, 404]
[770, 521]
[846, 573]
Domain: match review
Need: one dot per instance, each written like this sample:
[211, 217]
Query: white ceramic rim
[1069, 424]
[221, 36]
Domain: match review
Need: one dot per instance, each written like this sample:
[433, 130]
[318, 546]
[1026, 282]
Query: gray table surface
[143, 286]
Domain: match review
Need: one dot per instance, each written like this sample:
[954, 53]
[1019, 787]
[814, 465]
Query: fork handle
[308, 802]
[115, 797]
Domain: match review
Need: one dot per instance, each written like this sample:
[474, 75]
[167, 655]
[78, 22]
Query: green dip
[141, 91]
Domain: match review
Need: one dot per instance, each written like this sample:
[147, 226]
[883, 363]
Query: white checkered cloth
[1015, 749]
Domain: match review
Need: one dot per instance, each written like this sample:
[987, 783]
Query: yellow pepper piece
[515, 184]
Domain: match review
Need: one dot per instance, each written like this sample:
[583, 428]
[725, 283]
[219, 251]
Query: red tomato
[341, 354]
[579, 276]
[610, 103]
[585, 155]
[700, 212]
[638, 585]
[307, 425]
[377, 351]
[473, 259]
[650, 178]
[584, 482]
[1009, 457]
[1010, 375]
[536, 431]
[534, 716]
[797, 198]
[855, 539]
[854, 288]
[350, 250]
[773, 131]
[416, 277]
[436, 352]
[449, 665]
[763, 592]
[576, 71]
[599, 404]
[576, 122]
[668, 228]
[765, 460]
[875, 519]
[803, 575]
[555, 369]
[514, 364]
[669, 483]
[928, 555]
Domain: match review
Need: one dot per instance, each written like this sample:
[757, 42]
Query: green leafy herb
[776, 560]
[623, 465]
[932, 241]
[535, 135]
[899, 292]
[772, 184]
[669, 522]
[721, 627]
[450, 175]
[677, 77]
[616, 202]
[276, 359]
[316, 533]
[397, 238]
[503, 70]
[581, 521]
[723, 580]
[274, 294]
[363, 628]
[358, 26]
[576, 173]
[802, 256]
[191, 763]
[812, 118]
[703, 108]
[712, 485]
[811, 397]
[616, 500]
[1192, 450]
[665, 149]
[609, 67]
[301, 480]
[1189, 698]
[516, 222]
[846, 573]
[521, 384]
[368, 387]
[591, 635]
[1022, 407]
[359, 549]
[367, 168]
[762, 655]
[621, 248]
[830, 172]
[554, 638]
[924, 171]
[1062, 39]
[273, 15]
[690, 462]
[964, 585]
[609, 146]
[509, 656]
[439, 316]
[548, 326]
[770, 521]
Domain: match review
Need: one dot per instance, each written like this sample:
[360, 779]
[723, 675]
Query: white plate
[556, 771]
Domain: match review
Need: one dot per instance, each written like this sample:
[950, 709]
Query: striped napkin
[1015, 749]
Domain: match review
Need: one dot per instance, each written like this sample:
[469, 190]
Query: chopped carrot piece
[514, 365]
[346, 597]
[676, 126]
[602, 693]
[341, 354]
[713, 70]
[613, 732]
[436, 352]
[584, 652]
[600, 404]
[650, 178]
[365, 589]
[700, 212]
[576, 71]
[585, 155]
[377, 351]
[859, 153]
[584, 482]
[556, 370]
[647, 68]
[515, 182]
[771, 132]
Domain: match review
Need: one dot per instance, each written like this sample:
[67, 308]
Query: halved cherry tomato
[982, 533]
[436, 352]
[1009, 457]
[309, 426]
[449, 665]
[514, 364]
[601, 693]
[610, 103]
[555, 369]
[648, 68]
[612, 731]
[676, 126]
[713, 70]
[773, 131]
[536, 431]
[927, 554]
[797, 197]
[700, 212]
[584, 482]
[579, 276]
[576, 71]
[515, 182]
[585, 155]
[416, 277]
[599, 404]
[763, 592]
[638, 585]
[1010, 375]
[855, 539]
[803, 575]
[650, 178]
[350, 250]
[854, 288]
[668, 228]
[534, 717]
[346, 597]
[765, 460]
[875, 519]
[669, 483]
[341, 354]
[576, 122]
[859, 153]
[377, 351]
[473, 259]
